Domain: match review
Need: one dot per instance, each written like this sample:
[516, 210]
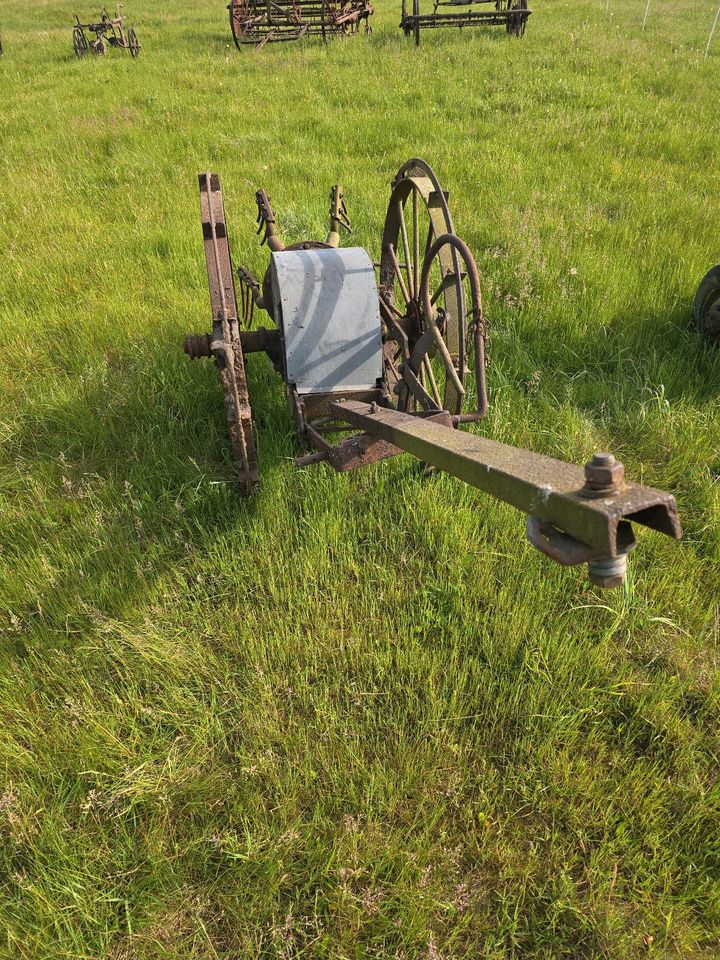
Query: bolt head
[607, 583]
[604, 472]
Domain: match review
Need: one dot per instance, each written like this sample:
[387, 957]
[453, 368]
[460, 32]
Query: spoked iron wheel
[133, 44]
[258, 23]
[80, 43]
[443, 373]
[414, 259]
[516, 22]
[99, 47]
[706, 313]
[244, 23]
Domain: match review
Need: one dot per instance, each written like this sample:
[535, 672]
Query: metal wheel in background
[133, 44]
[706, 312]
[516, 22]
[258, 23]
[80, 43]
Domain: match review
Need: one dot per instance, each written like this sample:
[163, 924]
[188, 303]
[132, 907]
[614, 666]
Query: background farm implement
[108, 31]
[512, 14]
[259, 22]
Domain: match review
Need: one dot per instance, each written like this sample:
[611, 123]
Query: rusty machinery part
[108, 31]
[133, 44]
[387, 361]
[80, 42]
[706, 311]
[224, 343]
[512, 14]
[258, 22]
[254, 294]
[516, 21]
[564, 522]
[429, 332]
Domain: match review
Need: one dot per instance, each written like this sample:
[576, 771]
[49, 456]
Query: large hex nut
[604, 474]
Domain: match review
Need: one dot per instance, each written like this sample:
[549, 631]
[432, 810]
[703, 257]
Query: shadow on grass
[635, 352]
[129, 473]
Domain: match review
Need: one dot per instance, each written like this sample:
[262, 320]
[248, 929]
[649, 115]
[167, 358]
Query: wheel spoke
[406, 248]
[416, 244]
[398, 273]
[433, 383]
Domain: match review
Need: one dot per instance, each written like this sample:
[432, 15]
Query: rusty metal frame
[512, 14]
[575, 515]
[551, 490]
[225, 344]
[257, 22]
[108, 30]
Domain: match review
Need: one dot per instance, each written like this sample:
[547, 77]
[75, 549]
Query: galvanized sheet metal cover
[328, 304]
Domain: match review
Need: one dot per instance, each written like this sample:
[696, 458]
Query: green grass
[357, 716]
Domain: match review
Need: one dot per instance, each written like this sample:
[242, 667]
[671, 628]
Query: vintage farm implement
[379, 363]
[512, 14]
[706, 312]
[109, 32]
[269, 21]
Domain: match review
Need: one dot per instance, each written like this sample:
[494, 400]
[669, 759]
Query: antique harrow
[109, 32]
[269, 21]
[512, 14]
[379, 363]
[706, 312]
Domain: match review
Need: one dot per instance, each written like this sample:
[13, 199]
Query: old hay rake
[259, 22]
[512, 14]
[376, 363]
[109, 32]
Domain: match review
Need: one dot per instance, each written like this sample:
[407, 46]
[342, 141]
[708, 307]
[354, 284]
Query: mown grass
[356, 716]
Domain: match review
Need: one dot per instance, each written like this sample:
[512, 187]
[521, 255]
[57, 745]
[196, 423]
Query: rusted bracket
[554, 492]
[266, 222]
[360, 450]
[338, 216]
[250, 296]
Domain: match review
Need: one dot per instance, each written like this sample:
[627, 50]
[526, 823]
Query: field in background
[358, 716]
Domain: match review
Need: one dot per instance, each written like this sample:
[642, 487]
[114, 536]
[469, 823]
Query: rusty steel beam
[557, 494]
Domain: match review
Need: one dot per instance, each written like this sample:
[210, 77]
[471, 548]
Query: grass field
[357, 716]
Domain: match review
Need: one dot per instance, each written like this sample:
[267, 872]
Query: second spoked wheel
[434, 352]
[706, 312]
[80, 43]
[515, 24]
[133, 44]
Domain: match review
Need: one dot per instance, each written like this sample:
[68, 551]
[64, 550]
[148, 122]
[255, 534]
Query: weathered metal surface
[224, 343]
[512, 14]
[258, 22]
[359, 451]
[109, 32]
[540, 486]
[429, 283]
[327, 304]
[399, 364]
